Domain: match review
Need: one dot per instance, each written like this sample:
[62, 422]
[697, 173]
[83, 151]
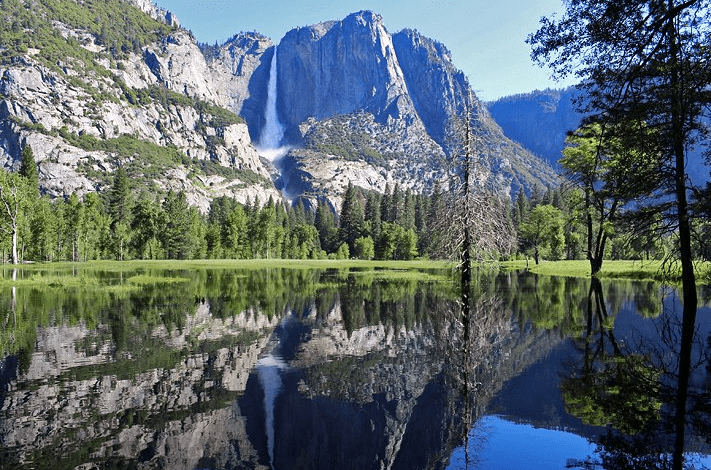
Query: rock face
[155, 12]
[358, 104]
[363, 105]
[337, 68]
[155, 109]
[540, 120]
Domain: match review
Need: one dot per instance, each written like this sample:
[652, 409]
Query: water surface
[288, 368]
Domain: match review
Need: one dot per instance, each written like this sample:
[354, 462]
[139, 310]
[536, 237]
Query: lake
[286, 368]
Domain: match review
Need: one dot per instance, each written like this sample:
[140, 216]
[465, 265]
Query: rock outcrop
[155, 109]
[362, 105]
[358, 103]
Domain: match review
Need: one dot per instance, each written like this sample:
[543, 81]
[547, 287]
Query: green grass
[144, 279]
[614, 269]
[651, 270]
[68, 275]
[105, 265]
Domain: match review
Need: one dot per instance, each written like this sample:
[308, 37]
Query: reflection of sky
[495, 443]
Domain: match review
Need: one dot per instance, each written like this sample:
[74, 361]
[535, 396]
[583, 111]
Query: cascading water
[273, 132]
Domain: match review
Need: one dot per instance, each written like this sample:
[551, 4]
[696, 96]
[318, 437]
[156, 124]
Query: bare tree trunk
[15, 259]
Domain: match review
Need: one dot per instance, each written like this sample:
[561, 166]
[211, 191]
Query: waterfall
[273, 132]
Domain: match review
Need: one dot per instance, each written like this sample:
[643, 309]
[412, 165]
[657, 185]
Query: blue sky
[486, 37]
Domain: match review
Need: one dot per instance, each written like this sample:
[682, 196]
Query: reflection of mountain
[171, 406]
[191, 397]
[367, 373]
[393, 385]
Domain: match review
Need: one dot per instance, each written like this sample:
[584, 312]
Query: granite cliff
[540, 120]
[358, 104]
[363, 105]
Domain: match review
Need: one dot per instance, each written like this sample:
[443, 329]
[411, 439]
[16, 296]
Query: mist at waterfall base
[270, 141]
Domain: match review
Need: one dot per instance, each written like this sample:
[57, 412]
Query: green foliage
[116, 25]
[364, 248]
[144, 158]
[176, 234]
[343, 141]
[623, 393]
[543, 232]
[28, 168]
[343, 252]
[210, 115]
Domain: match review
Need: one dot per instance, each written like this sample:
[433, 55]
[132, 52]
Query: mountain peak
[364, 18]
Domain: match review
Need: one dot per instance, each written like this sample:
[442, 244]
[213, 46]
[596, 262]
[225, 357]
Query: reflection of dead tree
[468, 340]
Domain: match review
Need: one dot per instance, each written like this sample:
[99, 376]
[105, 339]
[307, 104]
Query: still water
[343, 369]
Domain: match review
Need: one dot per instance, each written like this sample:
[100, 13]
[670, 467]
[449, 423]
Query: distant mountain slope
[540, 120]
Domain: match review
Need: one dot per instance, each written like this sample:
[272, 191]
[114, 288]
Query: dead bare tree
[472, 223]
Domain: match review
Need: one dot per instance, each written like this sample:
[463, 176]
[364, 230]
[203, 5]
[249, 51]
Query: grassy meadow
[70, 274]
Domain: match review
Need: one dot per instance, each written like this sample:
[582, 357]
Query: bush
[343, 252]
[364, 248]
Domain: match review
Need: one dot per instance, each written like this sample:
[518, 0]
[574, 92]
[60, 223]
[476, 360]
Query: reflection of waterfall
[270, 140]
[268, 371]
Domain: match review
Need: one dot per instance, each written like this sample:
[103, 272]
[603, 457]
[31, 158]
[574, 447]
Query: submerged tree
[644, 64]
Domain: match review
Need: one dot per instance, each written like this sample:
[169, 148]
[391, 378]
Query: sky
[486, 38]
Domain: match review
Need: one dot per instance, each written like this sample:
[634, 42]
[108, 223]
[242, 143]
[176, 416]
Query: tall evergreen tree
[28, 169]
[351, 220]
[175, 235]
[120, 212]
[373, 214]
[406, 218]
[325, 222]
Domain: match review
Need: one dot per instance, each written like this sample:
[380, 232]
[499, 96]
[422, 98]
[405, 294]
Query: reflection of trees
[633, 387]
[469, 334]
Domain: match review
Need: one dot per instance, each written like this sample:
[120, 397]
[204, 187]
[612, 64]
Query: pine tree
[120, 211]
[175, 235]
[28, 169]
[406, 218]
[325, 222]
[351, 220]
[373, 214]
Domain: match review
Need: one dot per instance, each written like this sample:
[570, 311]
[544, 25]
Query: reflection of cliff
[370, 377]
[397, 387]
[167, 401]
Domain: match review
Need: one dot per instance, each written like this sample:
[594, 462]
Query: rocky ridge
[363, 105]
[176, 103]
[155, 109]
